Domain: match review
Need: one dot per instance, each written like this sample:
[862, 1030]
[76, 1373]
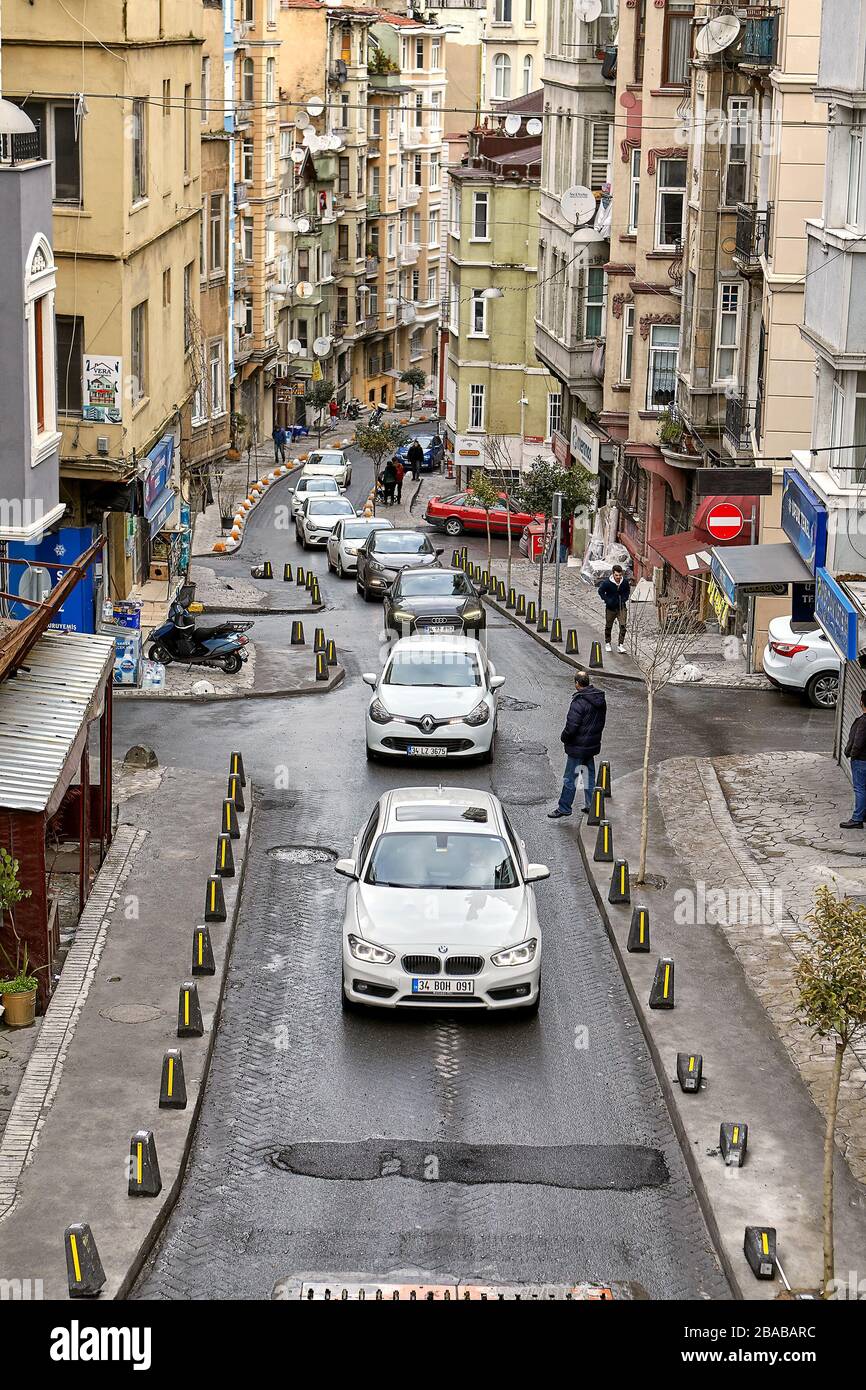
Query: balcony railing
[409, 252]
[408, 197]
[371, 267]
[741, 416]
[24, 148]
[314, 220]
[373, 205]
[753, 233]
[760, 39]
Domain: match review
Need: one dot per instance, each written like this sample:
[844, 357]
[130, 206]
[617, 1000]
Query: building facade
[512, 49]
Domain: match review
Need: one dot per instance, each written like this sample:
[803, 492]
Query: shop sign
[561, 450]
[804, 520]
[157, 481]
[585, 445]
[100, 388]
[723, 581]
[836, 614]
[718, 603]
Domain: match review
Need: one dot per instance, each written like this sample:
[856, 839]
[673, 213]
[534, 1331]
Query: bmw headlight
[516, 955]
[365, 950]
[379, 714]
[479, 715]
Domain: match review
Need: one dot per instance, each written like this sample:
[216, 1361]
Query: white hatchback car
[318, 517]
[312, 487]
[329, 463]
[440, 908]
[801, 660]
[435, 698]
[347, 538]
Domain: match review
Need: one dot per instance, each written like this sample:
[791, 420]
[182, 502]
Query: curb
[663, 1080]
[313, 688]
[597, 672]
[265, 612]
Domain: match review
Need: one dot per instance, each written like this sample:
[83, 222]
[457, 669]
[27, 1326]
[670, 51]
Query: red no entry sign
[724, 521]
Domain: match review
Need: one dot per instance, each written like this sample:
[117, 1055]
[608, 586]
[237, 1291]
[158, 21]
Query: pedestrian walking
[855, 751]
[584, 725]
[333, 409]
[614, 592]
[279, 438]
[415, 457]
[398, 482]
[389, 481]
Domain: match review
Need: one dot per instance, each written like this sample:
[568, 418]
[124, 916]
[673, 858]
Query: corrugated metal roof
[42, 710]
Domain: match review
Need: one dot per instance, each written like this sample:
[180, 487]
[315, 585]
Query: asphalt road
[503, 1149]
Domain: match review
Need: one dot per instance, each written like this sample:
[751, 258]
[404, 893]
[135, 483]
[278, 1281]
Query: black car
[386, 553]
[442, 601]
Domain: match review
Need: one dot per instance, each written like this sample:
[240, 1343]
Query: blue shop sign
[836, 614]
[804, 520]
[61, 547]
[723, 580]
[157, 482]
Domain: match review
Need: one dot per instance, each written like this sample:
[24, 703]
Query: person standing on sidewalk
[614, 592]
[855, 751]
[279, 438]
[398, 481]
[389, 481]
[584, 726]
[415, 456]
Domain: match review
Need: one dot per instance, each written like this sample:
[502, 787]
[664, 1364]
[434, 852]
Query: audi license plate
[442, 986]
[447, 629]
[427, 750]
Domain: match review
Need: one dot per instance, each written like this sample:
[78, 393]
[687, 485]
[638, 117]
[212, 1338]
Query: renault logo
[428, 723]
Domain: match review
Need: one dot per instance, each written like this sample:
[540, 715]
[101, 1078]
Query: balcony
[242, 195]
[411, 137]
[23, 148]
[752, 235]
[373, 206]
[408, 197]
[757, 48]
[409, 252]
[243, 114]
[834, 307]
[741, 417]
[371, 267]
[315, 223]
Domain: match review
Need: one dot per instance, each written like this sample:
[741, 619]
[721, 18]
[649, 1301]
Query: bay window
[662, 365]
[670, 200]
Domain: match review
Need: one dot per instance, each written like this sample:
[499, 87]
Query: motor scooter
[180, 639]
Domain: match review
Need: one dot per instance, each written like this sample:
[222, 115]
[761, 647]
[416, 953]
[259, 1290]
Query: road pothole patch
[510, 702]
[303, 856]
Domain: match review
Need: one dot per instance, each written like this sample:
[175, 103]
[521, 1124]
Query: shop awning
[687, 552]
[763, 564]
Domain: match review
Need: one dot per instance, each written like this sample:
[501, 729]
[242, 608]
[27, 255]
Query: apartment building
[127, 191]
[512, 49]
[385, 92]
[578, 107]
[495, 387]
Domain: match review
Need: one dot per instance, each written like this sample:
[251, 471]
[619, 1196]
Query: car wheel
[341, 573]
[368, 597]
[822, 690]
[454, 526]
[487, 756]
[328, 558]
[372, 755]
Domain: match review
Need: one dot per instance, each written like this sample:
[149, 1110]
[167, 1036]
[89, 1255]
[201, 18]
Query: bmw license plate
[427, 750]
[442, 986]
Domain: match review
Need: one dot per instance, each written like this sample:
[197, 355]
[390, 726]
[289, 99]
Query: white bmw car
[347, 538]
[435, 698]
[440, 908]
[318, 517]
[329, 463]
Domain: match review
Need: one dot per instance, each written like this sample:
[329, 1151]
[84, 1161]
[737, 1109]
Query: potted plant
[18, 990]
[670, 430]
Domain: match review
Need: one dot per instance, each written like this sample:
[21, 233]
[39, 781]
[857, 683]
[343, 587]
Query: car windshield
[319, 485]
[435, 583]
[439, 859]
[401, 542]
[326, 458]
[440, 667]
[330, 506]
[357, 530]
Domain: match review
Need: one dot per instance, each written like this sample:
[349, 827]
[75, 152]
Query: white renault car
[347, 538]
[440, 908]
[798, 658]
[329, 463]
[318, 517]
[435, 698]
[312, 487]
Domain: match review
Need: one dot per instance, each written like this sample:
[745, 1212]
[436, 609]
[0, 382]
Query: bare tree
[500, 472]
[657, 643]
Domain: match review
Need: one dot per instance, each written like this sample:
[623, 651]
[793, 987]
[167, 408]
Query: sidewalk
[94, 1074]
[729, 926]
[269, 673]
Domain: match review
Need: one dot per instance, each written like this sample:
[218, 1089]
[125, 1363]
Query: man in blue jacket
[582, 738]
[614, 592]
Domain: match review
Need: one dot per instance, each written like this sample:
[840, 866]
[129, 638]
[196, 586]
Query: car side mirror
[441, 550]
[369, 678]
[536, 872]
[346, 867]
[496, 682]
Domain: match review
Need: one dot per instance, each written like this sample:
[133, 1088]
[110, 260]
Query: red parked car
[455, 515]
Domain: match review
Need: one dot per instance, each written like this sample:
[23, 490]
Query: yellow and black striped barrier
[84, 1273]
[759, 1248]
[500, 590]
[603, 853]
[571, 643]
[287, 573]
[172, 1085]
[229, 821]
[202, 953]
[531, 613]
[520, 606]
[639, 930]
[311, 579]
[485, 581]
[455, 559]
[235, 792]
[661, 994]
[733, 1140]
[189, 1019]
[215, 899]
[297, 633]
[619, 891]
[603, 779]
[300, 577]
[319, 643]
[236, 767]
[556, 630]
[331, 652]
[511, 601]
[268, 570]
[596, 660]
[690, 1066]
[321, 666]
[595, 815]
[144, 1177]
[315, 592]
[542, 621]
[224, 865]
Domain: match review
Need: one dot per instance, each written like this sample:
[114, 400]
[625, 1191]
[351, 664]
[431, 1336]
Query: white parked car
[435, 698]
[318, 517]
[440, 908]
[329, 463]
[347, 538]
[800, 659]
[312, 487]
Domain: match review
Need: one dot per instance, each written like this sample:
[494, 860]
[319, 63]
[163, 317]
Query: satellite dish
[35, 584]
[577, 204]
[304, 290]
[315, 106]
[717, 35]
[588, 10]
[534, 126]
[512, 124]
[294, 346]
[584, 235]
[303, 225]
[321, 346]
[312, 141]
[303, 122]
[297, 156]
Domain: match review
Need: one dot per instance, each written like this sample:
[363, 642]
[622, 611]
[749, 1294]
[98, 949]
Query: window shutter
[599, 157]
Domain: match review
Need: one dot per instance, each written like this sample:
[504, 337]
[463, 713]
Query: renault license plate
[442, 986]
[427, 750]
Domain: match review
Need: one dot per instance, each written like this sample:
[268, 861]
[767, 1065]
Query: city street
[322, 1135]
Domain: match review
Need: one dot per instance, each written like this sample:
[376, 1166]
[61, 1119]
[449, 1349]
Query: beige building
[512, 49]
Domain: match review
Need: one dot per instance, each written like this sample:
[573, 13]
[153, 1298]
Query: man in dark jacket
[389, 481]
[855, 750]
[415, 457]
[582, 738]
[614, 592]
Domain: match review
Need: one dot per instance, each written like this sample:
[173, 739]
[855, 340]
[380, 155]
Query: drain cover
[131, 1013]
[423, 1287]
[303, 855]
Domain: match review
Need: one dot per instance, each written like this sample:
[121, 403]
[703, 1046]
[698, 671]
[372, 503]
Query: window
[419, 53]
[249, 11]
[139, 149]
[529, 12]
[188, 272]
[419, 109]
[434, 170]
[502, 11]
[502, 76]
[404, 55]
[416, 171]
[858, 456]
[435, 112]
[138, 352]
[344, 111]
[375, 120]
[727, 330]
[431, 287]
[476, 407]
[216, 378]
[270, 159]
[416, 284]
[554, 413]
[343, 176]
[69, 334]
[272, 14]
[599, 158]
[433, 229]
[435, 53]
[634, 192]
[456, 210]
[58, 142]
[216, 233]
[166, 288]
[593, 308]
[248, 80]
[527, 73]
[392, 239]
[677, 43]
[479, 216]
[639, 39]
[627, 342]
[855, 176]
[670, 197]
[187, 130]
[662, 365]
[837, 418]
[478, 315]
[271, 81]
[204, 90]
[737, 155]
